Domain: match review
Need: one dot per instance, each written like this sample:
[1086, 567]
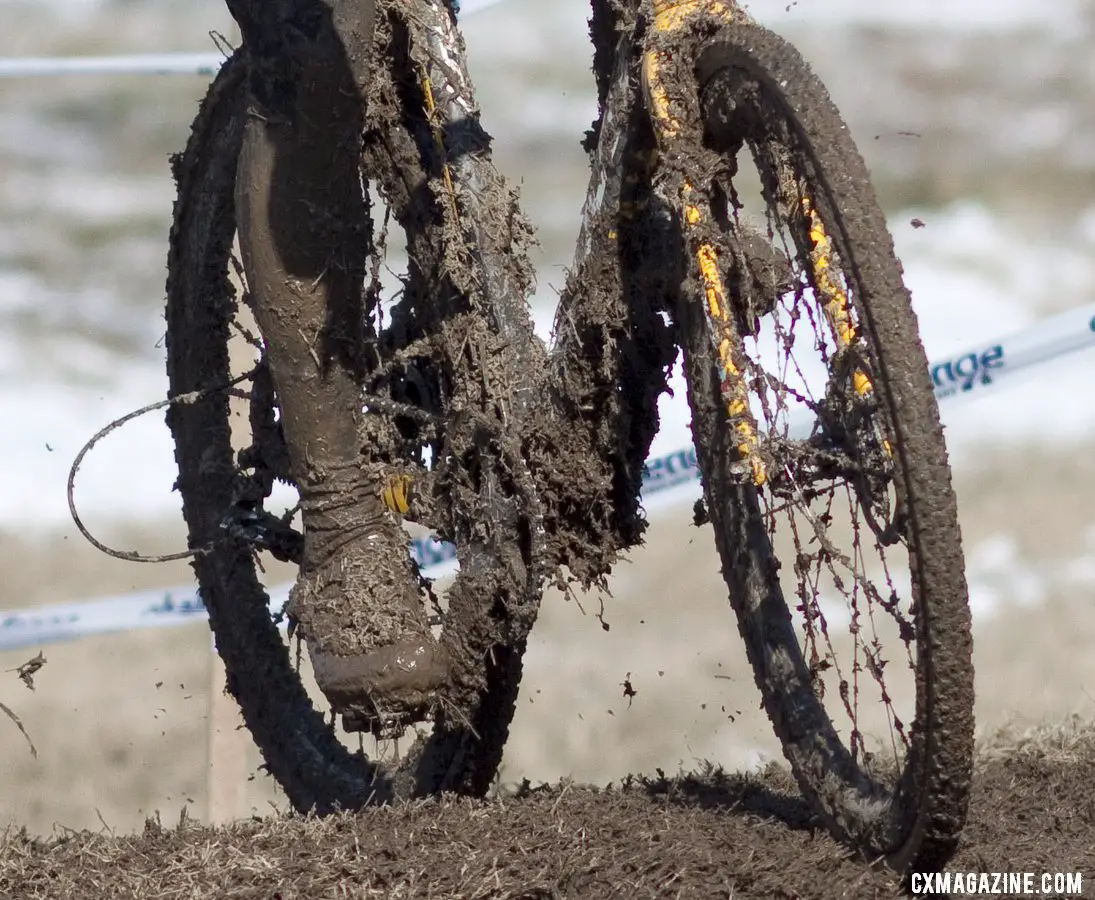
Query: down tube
[612, 346]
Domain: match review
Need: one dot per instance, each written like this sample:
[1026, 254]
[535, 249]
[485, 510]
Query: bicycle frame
[612, 346]
[614, 332]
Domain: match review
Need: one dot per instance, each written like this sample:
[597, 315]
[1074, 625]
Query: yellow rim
[671, 16]
[835, 299]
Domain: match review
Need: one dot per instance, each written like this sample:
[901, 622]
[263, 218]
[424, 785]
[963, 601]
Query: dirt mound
[708, 835]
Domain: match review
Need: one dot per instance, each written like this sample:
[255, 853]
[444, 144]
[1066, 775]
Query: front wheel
[825, 472]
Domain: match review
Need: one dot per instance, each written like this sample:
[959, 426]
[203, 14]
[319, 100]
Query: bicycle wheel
[302, 752]
[459, 473]
[824, 468]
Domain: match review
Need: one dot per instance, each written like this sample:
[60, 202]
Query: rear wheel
[299, 747]
[443, 337]
[824, 468]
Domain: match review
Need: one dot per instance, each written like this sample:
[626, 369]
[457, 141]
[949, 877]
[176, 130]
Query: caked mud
[440, 407]
[747, 837]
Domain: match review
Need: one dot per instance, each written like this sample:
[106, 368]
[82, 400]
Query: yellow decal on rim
[834, 298]
[836, 304]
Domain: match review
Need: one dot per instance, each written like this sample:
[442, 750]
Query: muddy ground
[128, 739]
[712, 836]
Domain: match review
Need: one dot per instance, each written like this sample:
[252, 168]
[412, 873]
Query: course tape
[146, 63]
[973, 372]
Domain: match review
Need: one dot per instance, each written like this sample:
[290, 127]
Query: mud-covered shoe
[358, 607]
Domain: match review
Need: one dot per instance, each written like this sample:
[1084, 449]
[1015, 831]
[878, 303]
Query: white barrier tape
[1046, 340]
[972, 372]
[135, 64]
[145, 63]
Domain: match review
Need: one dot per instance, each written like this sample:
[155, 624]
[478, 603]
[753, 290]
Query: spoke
[829, 502]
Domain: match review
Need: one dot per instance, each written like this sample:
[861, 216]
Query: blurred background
[977, 118]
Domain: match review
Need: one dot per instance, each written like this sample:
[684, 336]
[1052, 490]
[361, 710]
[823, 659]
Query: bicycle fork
[677, 138]
[674, 142]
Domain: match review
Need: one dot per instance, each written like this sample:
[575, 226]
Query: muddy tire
[481, 492]
[299, 747]
[756, 93]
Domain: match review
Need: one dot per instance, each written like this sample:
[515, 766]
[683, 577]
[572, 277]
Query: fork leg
[676, 139]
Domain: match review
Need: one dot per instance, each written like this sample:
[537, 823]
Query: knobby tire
[918, 825]
[492, 614]
[299, 748]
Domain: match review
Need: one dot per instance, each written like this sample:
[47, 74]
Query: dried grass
[706, 834]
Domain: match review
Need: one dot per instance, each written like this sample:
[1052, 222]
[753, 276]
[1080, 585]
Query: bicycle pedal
[264, 531]
[382, 727]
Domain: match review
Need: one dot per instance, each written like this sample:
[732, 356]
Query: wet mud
[702, 836]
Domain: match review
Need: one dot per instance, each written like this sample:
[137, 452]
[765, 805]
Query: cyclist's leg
[304, 235]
